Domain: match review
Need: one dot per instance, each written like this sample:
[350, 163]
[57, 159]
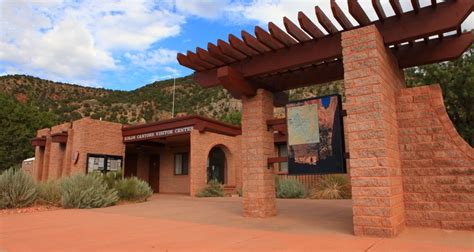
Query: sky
[125, 44]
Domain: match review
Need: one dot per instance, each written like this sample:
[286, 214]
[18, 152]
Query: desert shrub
[332, 186]
[50, 192]
[213, 189]
[240, 191]
[17, 189]
[86, 191]
[133, 189]
[111, 178]
[289, 188]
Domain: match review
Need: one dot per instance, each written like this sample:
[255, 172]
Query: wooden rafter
[295, 31]
[215, 52]
[396, 7]
[379, 10]
[280, 35]
[267, 39]
[324, 21]
[416, 5]
[252, 42]
[241, 46]
[229, 50]
[204, 55]
[198, 61]
[357, 12]
[340, 16]
[308, 26]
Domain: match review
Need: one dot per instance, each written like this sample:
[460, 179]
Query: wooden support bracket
[234, 82]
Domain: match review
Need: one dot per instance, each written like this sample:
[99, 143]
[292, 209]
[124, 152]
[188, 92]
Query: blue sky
[125, 44]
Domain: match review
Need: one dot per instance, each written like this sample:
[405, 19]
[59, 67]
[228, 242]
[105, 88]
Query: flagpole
[174, 91]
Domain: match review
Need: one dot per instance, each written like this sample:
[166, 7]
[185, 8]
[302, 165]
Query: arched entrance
[216, 165]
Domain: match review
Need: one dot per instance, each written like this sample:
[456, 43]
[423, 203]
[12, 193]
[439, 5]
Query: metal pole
[174, 91]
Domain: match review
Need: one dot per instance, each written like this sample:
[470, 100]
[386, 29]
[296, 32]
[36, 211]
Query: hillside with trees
[28, 103]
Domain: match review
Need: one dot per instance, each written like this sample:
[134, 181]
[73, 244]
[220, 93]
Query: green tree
[18, 124]
[456, 79]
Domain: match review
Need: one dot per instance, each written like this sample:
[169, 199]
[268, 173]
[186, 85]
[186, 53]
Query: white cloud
[152, 58]
[77, 40]
[202, 8]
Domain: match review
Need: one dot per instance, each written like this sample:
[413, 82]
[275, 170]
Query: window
[103, 163]
[283, 152]
[181, 163]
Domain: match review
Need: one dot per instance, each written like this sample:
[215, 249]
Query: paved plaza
[182, 223]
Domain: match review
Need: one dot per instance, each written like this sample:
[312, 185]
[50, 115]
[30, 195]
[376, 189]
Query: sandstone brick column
[257, 146]
[372, 84]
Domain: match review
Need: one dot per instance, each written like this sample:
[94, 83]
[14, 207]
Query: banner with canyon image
[315, 136]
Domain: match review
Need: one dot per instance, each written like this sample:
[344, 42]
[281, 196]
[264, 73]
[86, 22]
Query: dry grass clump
[334, 186]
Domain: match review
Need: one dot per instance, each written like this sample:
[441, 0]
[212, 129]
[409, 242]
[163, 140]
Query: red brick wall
[373, 82]
[85, 136]
[169, 182]
[57, 153]
[438, 165]
[257, 147]
[95, 137]
[201, 145]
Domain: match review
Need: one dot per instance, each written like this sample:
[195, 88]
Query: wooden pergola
[305, 55]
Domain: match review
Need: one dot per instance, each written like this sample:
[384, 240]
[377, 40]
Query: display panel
[315, 136]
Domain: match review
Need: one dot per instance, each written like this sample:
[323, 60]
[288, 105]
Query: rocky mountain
[151, 102]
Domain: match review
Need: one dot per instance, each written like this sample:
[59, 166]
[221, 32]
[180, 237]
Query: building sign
[315, 136]
[158, 134]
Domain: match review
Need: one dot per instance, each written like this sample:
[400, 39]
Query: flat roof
[176, 126]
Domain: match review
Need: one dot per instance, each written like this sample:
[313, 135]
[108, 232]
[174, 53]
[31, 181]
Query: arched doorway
[216, 165]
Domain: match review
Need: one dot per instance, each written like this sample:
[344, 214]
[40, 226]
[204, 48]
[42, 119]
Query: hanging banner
[315, 136]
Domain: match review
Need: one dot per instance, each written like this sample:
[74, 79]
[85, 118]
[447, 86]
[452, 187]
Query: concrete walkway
[180, 223]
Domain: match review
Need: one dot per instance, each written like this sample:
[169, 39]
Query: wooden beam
[280, 35]
[252, 42]
[435, 50]
[273, 160]
[196, 60]
[323, 73]
[204, 55]
[267, 39]
[324, 21]
[241, 46]
[396, 7]
[416, 5]
[184, 61]
[215, 52]
[379, 10]
[313, 51]
[340, 16]
[280, 99]
[295, 31]
[234, 82]
[229, 50]
[394, 30]
[308, 26]
[428, 22]
[357, 12]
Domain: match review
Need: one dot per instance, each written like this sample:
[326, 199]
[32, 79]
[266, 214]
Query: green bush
[133, 189]
[111, 178]
[289, 188]
[333, 186]
[213, 189]
[86, 191]
[17, 189]
[50, 192]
